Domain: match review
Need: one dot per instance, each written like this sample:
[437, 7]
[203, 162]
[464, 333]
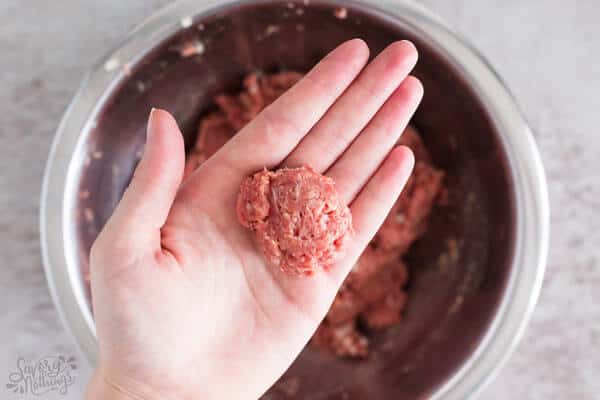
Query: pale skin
[185, 306]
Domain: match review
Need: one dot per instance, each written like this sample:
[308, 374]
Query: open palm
[184, 304]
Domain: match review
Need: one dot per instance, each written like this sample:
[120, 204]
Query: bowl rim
[525, 165]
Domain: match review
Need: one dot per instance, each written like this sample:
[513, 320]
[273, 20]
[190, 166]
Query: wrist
[102, 387]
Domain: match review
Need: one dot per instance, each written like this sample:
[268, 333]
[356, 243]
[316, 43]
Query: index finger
[274, 133]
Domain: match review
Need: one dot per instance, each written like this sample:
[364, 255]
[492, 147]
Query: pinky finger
[377, 197]
[381, 192]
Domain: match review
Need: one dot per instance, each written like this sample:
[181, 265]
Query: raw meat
[297, 217]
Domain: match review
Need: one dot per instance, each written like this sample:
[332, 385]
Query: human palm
[184, 304]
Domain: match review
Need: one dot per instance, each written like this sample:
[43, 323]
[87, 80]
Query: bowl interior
[459, 269]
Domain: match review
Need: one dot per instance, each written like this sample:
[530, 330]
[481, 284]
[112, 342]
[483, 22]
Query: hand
[184, 304]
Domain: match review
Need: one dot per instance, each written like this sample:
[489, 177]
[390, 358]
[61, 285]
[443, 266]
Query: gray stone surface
[546, 51]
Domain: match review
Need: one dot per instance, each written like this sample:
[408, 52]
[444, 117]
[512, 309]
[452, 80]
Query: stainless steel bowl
[65, 242]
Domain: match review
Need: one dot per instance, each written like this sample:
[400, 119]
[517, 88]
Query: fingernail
[150, 127]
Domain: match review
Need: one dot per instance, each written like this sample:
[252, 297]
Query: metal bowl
[477, 273]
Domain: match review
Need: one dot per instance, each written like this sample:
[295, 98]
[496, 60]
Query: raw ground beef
[373, 296]
[297, 216]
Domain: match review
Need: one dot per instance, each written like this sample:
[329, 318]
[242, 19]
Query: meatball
[297, 216]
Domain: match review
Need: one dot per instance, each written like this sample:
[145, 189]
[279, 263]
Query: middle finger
[329, 138]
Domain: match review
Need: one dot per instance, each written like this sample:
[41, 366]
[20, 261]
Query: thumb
[147, 201]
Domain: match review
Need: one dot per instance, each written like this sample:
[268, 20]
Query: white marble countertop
[546, 51]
